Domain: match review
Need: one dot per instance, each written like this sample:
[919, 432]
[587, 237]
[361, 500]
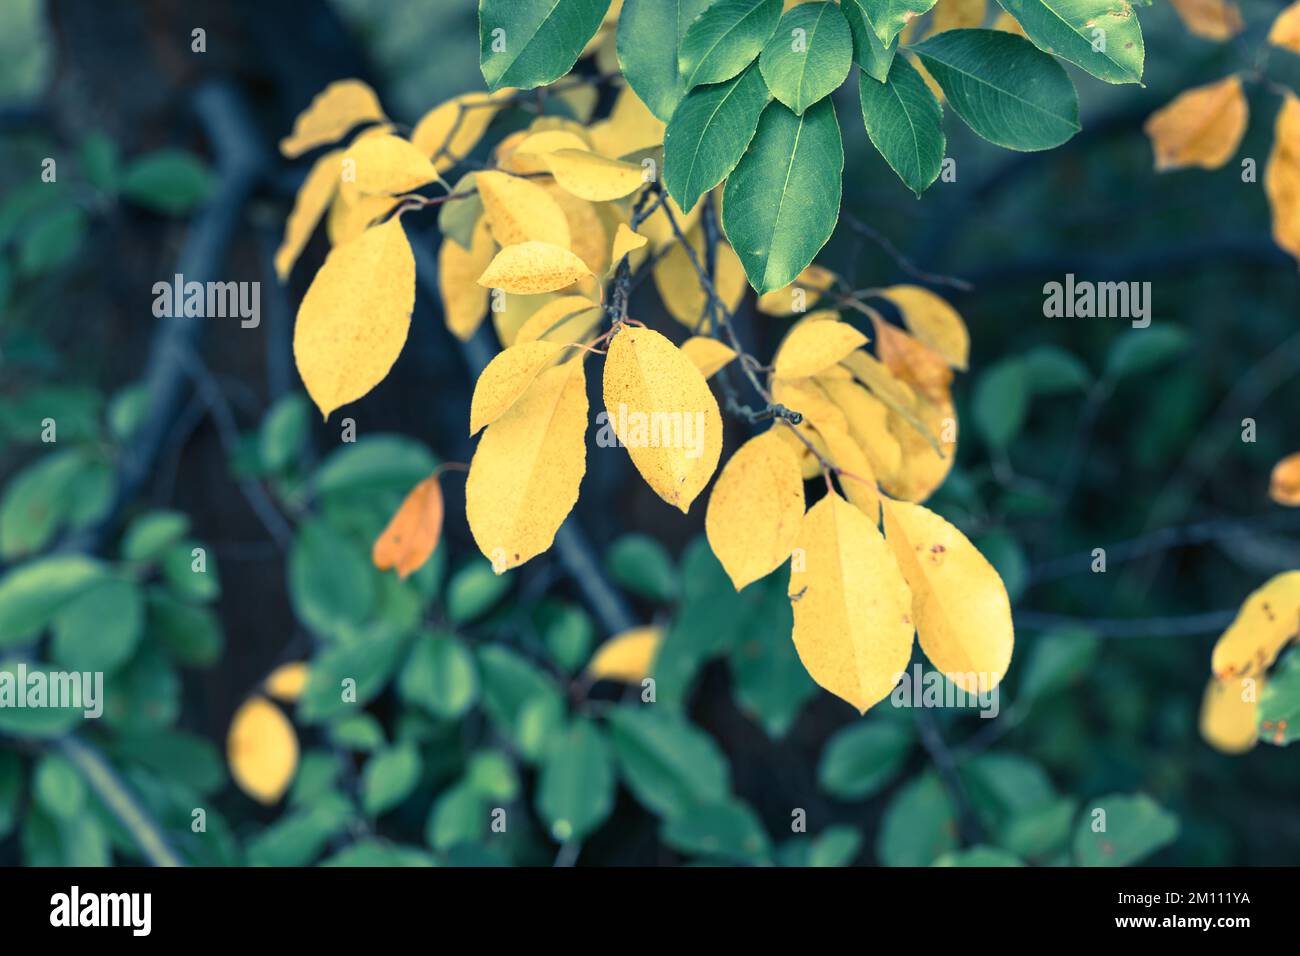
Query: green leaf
[191, 634]
[919, 826]
[1006, 89]
[31, 594]
[51, 241]
[374, 852]
[459, 815]
[1120, 830]
[642, 565]
[283, 432]
[669, 765]
[374, 464]
[888, 17]
[152, 533]
[299, 837]
[1279, 702]
[1041, 831]
[783, 198]
[1102, 36]
[980, 856]
[474, 590]
[1141, 350]
[708, 134]
[523, 702]
[186, 577]
[440, 676]
[145, 696]
[11, 787]
[170, 181]
[727, 829]
[649, 36]
[809, 55]
[176, 755]
[566, 631]
[1001, 402]
[835, 846]
[1056, 660]
[360, 733]
[771, 684]
[101, 162]
[576, 792]
[905, 124]
[871, 53]
[331, 586]
[863, 757]
[1053, 370]
[456, 220]
[99, 629]
[58, 787]
[491, 774]
[529, 43]
[389, 778]
[725, 38]
[370, 665]
[39, 502]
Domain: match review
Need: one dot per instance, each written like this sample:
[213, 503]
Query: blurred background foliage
[1076, 434]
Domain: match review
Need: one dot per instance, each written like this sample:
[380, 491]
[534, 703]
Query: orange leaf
[412, 534]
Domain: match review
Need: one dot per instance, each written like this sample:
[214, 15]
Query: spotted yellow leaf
[756, 508]
[412, 534]
[593, 177]
[530, 268]
[519, 210]
[353, 320]
[1230, 713]
[867, 418]
[314, 196]
[464, 301]
[449, 132]
[959, 603]
[661, 409]
[917, 364]
[387, 165]
[335, 110]
[852, 610]
[262, 750]
[506, 378]
[351, 214]
[627, 657]
[1200, 127]
[933, 322]
[524, 477]
[1268, 620]
[565, 320]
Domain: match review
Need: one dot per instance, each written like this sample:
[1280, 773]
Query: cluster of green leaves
[745, 90]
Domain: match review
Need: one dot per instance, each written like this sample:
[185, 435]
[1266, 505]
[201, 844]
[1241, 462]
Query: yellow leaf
[412, 534]
[449, 132]
[387, 165]
[868, 423]
[809, 466]
[566, 320]
[625, 240]
[524, 477]
[959, 604]
[852, 610]
[309, 205]
[678, 281]
[464, 301]
[335, 110]
[529, 155]
[1200, 127]
[1284, 485]
[800, 295]
[630, 127]
[519, 210]
[587, 235]
[627, 657]
[286, 682]
[352, 214]
[927, 437]
[659, 229]
[708, 354]
[661, 409]
[813, 346]
[262, 750]
[353, 320]
[592, 177]
[1266, 623]
[957, 15]
[854, 474]
[1282, 177]
[933, 321]
[1212, 19]
[529, 268]
[1285, 31]
[506, 378]
[909, 360]
[810, 400]
[1229, 714]
[756, 508]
